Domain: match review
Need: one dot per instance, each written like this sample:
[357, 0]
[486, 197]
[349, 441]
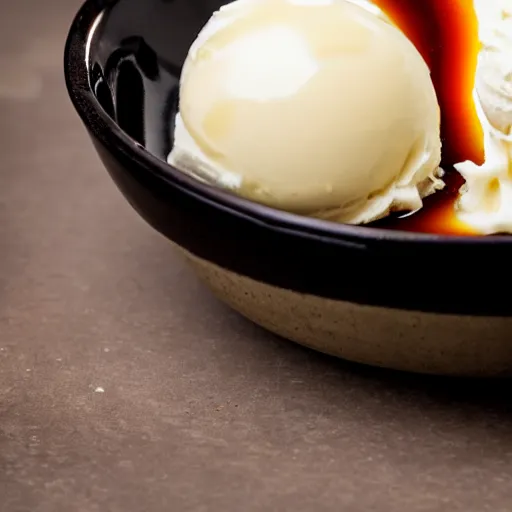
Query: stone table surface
[126, 387]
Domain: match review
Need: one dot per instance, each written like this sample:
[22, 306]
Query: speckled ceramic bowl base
[404, 340]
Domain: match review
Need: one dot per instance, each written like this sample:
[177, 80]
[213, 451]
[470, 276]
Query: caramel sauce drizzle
[445, 32]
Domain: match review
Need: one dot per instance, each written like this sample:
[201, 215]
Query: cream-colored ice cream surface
[317, 107]
[485, 202]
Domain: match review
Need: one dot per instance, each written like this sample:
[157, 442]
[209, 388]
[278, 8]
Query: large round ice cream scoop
[321, 108]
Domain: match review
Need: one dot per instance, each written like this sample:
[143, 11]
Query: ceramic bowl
[415, 302]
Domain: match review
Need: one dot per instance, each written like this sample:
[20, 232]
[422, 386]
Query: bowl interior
[134, 64]
[135, 61]
[133, 53]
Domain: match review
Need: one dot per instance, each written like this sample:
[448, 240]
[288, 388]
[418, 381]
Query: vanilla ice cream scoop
[319, 107]
[486, 199]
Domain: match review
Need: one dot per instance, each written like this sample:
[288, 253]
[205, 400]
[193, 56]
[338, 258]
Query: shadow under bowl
[416, 302]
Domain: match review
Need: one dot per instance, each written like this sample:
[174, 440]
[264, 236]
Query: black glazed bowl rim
[97, 121]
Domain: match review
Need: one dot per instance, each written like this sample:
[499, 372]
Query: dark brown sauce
[446, 34]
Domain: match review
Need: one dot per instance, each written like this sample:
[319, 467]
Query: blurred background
[125, 386]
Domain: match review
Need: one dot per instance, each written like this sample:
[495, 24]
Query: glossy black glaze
[135, 57]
